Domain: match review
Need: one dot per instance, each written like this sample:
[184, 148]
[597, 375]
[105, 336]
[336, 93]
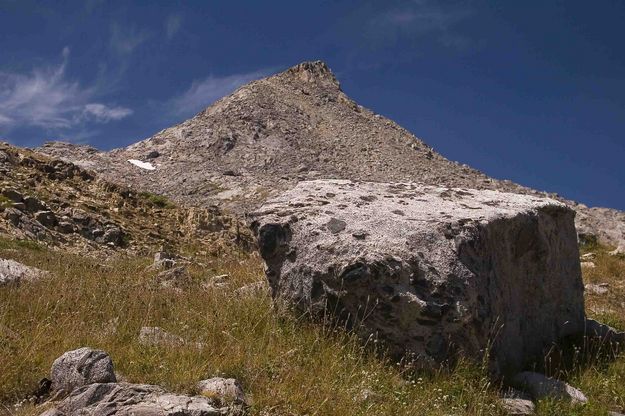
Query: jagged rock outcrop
[292, 126]
[59, 204]
[431, 271]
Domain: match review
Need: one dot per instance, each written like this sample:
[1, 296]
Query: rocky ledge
[432, 272]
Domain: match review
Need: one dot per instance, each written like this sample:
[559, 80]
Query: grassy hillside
[287, 365]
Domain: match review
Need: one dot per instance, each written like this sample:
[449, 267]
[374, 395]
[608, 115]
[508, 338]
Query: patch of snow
[142, 165]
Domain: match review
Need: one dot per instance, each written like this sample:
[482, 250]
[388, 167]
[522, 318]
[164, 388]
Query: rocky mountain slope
[61, 205]
[272, 133]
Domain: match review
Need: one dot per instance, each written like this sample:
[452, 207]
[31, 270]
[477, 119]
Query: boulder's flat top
[394, 209]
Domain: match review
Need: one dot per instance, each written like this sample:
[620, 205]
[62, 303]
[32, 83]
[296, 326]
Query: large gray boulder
[430, 271]
[81, 367]
[124, 399]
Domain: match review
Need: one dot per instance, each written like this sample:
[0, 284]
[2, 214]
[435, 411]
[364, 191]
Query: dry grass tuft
[287, 365]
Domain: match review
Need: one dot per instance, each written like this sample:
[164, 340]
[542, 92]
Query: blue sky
[529, 91]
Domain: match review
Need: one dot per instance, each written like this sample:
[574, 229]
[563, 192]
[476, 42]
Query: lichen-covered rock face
[430, 271]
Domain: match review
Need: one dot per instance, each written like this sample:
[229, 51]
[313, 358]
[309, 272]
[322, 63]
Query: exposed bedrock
[432, 272]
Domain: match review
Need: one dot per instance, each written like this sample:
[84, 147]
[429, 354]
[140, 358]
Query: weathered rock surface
[12, 272]
[429, 270]
[124, 399]
[540, 386]
[81, 367]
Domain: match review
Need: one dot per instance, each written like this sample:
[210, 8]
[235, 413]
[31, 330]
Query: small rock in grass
[619, 251]
[260, 288]
[597, 288]
[517, 407]
[224, 389]
[588, 264]
[604, 333]
[588, 256]
[177, 277]
[154, 335]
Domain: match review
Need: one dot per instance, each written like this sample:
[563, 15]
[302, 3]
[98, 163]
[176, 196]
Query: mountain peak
[314, 72]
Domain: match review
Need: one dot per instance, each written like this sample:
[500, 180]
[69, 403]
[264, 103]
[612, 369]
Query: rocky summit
[431, 271]
[296, 125]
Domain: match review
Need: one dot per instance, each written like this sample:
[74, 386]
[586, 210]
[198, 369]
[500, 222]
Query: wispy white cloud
[204, 92]
[103, 114]
[125, 39]
[421, 18]
[173, 25]
[47, 99]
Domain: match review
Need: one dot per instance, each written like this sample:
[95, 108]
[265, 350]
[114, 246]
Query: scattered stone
[587, 264]
[66, 227]
[619, 251]
[588, 257]
[177, 277]
[227, 390]
[153, 154]
[107, 399]
[367, 395]
[13, 195]
[155, 336]
[597, 289]
[221, 281]
[13, 215]
[46, 218]
[12, 272]
[164, 260]
[586, 238]
[516, 402]
[336, 226]
[112, 235]
[458, 265]
[540, 386]
[605, 333]
[33, 204]
[80, 367]
[517, 407]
